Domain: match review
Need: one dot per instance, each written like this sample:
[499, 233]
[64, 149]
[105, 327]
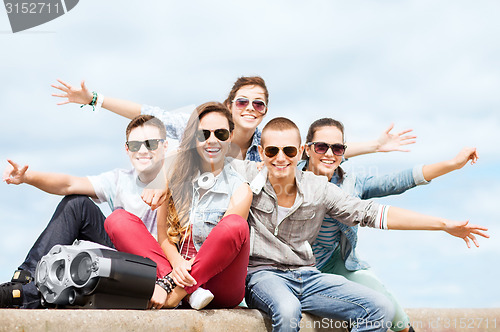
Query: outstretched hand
[393, 142]
[464, 156]
[73, 94]
[14, 174]
[466, 231]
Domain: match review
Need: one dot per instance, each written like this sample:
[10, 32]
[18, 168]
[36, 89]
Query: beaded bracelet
[93, 101]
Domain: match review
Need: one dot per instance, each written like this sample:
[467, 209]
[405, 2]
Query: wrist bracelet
[100, 100]
[167, 283]
[93, 101]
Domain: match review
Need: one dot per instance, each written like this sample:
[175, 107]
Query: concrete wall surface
[222, 320]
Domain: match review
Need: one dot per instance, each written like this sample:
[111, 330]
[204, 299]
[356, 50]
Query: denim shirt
[175, 123]
[286, 244]
[334, 234]
[207, 211]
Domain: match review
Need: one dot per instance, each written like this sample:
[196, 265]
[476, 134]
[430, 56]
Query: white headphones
[206, 180]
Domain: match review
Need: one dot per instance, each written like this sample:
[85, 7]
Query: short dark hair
[280, 124]
[146, 120]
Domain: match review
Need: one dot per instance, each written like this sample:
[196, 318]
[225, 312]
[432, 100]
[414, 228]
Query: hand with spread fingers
[388, 142]
[73, 94]
[466, 231]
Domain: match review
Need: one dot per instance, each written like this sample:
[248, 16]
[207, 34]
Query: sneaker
[11, 295]
[200, 298]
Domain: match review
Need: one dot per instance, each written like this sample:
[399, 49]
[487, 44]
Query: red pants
[219, 266]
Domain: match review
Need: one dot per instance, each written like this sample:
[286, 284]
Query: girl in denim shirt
[335, 245]
[203, 236]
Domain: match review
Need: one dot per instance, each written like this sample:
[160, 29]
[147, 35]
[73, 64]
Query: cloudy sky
[433, 66]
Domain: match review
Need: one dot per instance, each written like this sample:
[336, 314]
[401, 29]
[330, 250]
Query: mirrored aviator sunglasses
[322, 148]
[258, 105]
[289, 151]
[221, 134]
[150, 144]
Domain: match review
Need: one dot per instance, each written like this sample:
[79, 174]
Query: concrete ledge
[221, 320]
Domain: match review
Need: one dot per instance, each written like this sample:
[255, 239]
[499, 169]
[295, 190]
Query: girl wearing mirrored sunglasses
[335, 246]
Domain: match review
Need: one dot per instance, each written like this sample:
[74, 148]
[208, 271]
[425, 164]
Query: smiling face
[281, 167]
[146, 162]
[327, 163]
[213, 151]
[248, 118]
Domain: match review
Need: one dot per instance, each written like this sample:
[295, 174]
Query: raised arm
[434, 170]
[387, 142]
[396, 183]
[52, 183]
[352, 210]
[402, 219]
[81, 95]
[175, 121]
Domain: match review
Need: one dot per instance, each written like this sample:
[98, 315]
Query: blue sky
[427, 65]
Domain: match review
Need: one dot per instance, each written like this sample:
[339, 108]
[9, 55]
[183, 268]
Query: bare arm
[52, 183]
[387, 142]
[240, 201]
[435, 170]
[81, 95]
[402, 219]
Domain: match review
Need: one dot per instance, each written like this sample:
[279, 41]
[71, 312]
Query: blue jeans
[284, 295]
[76, 218]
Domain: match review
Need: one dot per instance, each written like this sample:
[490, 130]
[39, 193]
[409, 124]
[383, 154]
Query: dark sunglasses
[220, 134]
[322, 148]
[258, 105]
[151, 144]
[271, 151]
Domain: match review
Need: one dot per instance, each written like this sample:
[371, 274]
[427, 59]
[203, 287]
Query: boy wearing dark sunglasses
[77, 217]
[287, 211]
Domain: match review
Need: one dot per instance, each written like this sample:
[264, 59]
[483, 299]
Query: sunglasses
[289, 151]
[150, 144]
[258, 105]
[221, 134]
[322, 148]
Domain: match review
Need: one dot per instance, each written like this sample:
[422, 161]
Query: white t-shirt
[122, 189]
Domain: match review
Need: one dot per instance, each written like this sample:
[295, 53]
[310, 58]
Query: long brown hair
[320, 123]
[183, 171]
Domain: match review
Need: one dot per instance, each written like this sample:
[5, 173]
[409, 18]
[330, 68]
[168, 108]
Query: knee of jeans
[286, 313]
[236, 225]
[385, 307]
[112, 222]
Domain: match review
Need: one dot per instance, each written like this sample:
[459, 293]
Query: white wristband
[100, 100]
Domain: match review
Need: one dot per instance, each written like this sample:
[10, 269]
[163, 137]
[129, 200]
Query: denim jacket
[334, 234]
[286, 244]
[175, 123]
[207, 211]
